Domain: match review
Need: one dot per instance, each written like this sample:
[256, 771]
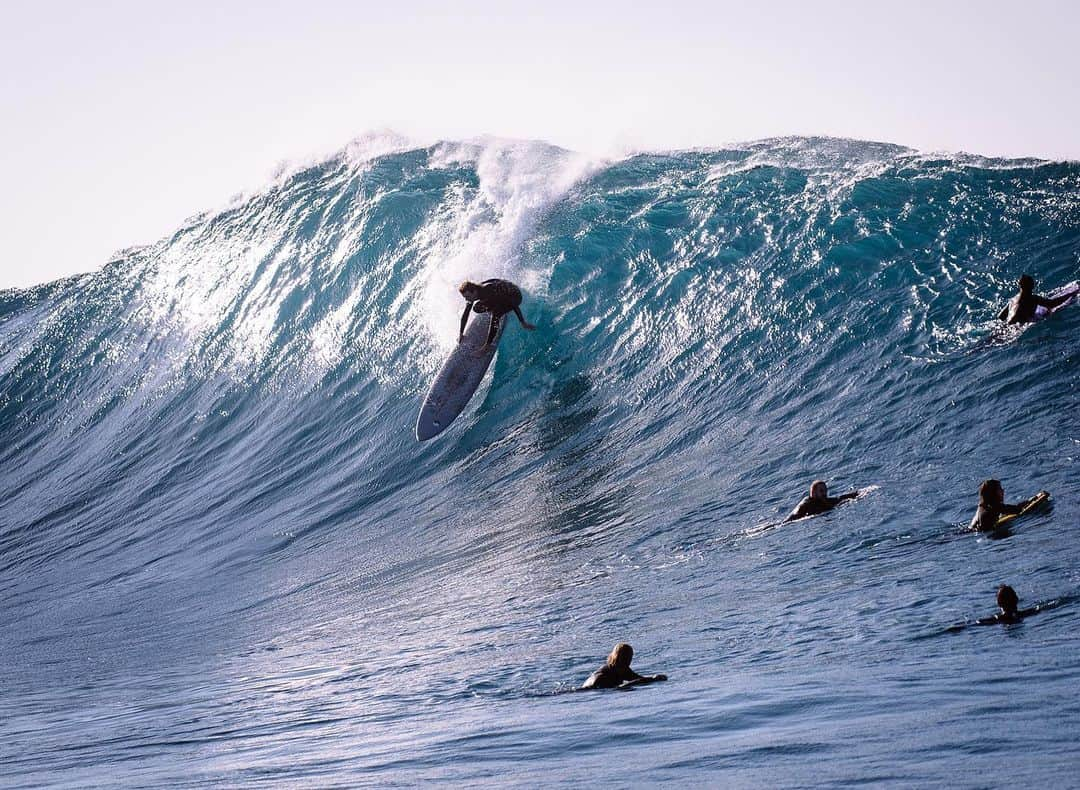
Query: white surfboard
[459, 377]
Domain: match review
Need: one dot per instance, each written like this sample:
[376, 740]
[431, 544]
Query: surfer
[1021, 308]
[1009, 603]
[818, 502]
[616, 673]
[497, 297]
[992, 506]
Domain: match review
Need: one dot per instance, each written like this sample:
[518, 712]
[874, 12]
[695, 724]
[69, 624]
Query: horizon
[126, 121]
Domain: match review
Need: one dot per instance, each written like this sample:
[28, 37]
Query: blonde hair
[621, 655]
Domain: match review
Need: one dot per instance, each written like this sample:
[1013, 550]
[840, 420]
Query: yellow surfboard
[1036, 502]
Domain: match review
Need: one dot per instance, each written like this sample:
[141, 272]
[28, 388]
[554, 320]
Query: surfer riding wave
[497, 297]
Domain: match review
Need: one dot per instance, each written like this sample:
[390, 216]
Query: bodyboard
[459, 377]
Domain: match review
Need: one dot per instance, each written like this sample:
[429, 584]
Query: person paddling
[1021, 308]
[497, 297]
[616, 673]
[992, 506]
[819, 501]
[1009, 604]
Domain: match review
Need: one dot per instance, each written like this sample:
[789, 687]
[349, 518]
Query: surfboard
[1072, 289]
[1036, 502]
[458, 378]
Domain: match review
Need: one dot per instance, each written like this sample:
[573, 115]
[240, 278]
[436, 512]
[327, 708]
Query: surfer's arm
[643, 680]
[1031, 501]
[521, 319]
[801, 510]
[464, 320]
[1050, 304]
[985, 519]
[848, 495]
[1012, 510]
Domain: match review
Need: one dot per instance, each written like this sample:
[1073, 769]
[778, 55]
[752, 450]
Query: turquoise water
[224, 559]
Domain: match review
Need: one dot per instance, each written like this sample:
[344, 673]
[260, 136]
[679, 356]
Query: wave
[717, 327]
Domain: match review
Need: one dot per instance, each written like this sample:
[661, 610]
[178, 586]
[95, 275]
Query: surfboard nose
[427, 427]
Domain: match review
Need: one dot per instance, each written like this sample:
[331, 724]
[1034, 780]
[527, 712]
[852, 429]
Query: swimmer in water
[1021, 308]
[818, 502]
[1009, 603]
[992, 506]
[497, 297]
[616, 673]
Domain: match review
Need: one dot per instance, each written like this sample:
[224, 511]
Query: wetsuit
[813, 507]
[497, 297]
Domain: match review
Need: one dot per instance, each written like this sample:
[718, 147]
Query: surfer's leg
[493, 328]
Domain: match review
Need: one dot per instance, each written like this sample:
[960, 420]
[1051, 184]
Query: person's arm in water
[642, 680]
[801, 510]
[521, 319]
[798, 512]
[464, 320]
[1019, 506]
[629, 677]
[1013, 510]
[1050, 304]
[845, 497]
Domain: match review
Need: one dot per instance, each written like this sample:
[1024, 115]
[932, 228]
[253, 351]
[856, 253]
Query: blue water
[225, 560]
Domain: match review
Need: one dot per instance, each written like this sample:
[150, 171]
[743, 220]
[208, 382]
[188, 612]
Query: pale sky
[121, 119]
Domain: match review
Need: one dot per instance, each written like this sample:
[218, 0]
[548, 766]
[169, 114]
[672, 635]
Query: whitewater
[225, 560]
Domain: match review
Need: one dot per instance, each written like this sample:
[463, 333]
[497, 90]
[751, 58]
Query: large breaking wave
[209, 441]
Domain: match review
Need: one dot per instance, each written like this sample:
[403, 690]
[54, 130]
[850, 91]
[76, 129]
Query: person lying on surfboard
[1009, 603]
[616, 673]
[1021, 308]
[819, 501]
[992, 506]
[497, 297]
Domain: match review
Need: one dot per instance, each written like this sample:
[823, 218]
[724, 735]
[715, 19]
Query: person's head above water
[991, 492]
[818, 490]
[1008, 600]
[1027, 283]
[621, 656]
[470, 290]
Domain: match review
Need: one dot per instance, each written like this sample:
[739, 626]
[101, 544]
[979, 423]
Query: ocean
[226, 561]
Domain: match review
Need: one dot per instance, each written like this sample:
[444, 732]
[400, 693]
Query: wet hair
[1027, 283]
[817, 483]
[467, 285]
[621, 655]
[988, 487]
[1007, 599]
